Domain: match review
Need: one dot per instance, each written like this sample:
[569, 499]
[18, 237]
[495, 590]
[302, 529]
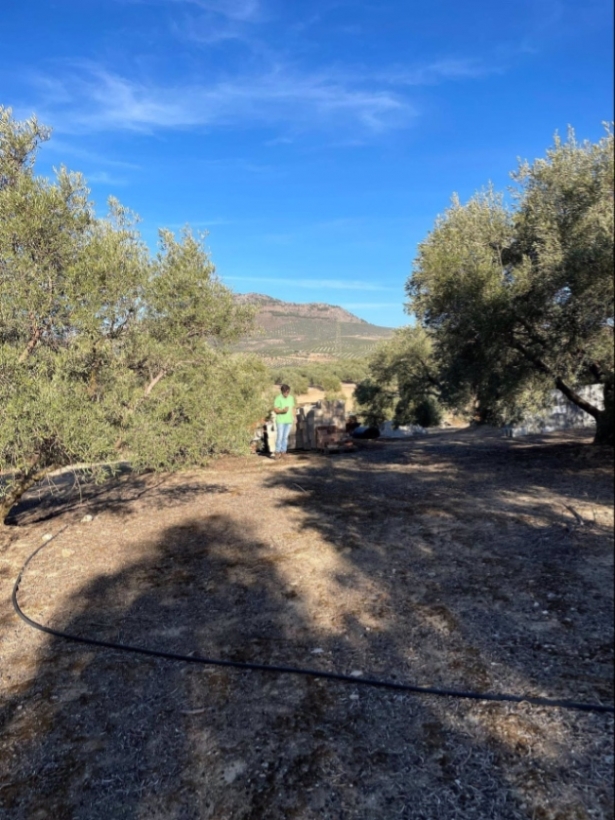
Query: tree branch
[116, 330]
[34, 340]
[576, 399]
[560, 384]
[22, 485]
[154, 382]
[596, 371]
[429, 376]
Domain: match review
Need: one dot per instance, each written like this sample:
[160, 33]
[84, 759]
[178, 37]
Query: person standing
[283, 407]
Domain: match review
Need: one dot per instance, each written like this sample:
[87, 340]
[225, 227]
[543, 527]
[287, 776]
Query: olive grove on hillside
[105, 352]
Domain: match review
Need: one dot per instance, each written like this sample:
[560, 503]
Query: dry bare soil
[457, 559]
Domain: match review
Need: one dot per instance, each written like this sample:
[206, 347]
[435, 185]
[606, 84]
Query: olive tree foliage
[105, 352]
[519, 300]
[403, 385]
[327, 376]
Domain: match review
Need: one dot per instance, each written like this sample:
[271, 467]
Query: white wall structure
[561, 415]
[388, 430]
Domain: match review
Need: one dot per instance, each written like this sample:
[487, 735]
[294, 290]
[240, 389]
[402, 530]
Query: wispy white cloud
[95, 99]
[353, 102]
[211, 21]
[315, 284]
[233, 9]
[206, 28]
[68, 149]
[243, 10]
[200, 31]
[438, 71]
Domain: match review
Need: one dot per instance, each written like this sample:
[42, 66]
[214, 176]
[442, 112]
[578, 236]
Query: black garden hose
[292, 670]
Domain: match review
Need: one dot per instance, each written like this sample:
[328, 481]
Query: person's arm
[279, 411]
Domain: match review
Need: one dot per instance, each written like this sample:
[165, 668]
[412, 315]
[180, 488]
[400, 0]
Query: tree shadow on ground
[486, 551]
[490, 582]
[100, 734]
[75, 489]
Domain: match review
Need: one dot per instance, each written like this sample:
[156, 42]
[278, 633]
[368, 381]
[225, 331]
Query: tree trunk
[575, 398]
[604, 418]
[5, 509]
[21, 486]
[605, 422]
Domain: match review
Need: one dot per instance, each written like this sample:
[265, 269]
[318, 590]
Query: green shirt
[280, 402]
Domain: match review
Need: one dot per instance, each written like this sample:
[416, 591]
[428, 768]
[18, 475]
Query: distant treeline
[327, 376]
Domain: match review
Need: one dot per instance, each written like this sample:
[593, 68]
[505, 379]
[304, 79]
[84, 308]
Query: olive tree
[105, 352]
[403, 383]
[519, 299]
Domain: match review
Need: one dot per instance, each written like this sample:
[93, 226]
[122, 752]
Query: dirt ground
[458, 559]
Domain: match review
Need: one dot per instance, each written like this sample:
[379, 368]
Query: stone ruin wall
[310, 416]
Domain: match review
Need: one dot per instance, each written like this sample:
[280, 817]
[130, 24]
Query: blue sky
[315, 141]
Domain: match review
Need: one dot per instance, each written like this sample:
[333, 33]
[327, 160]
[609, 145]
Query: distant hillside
[271, 308]
[290, 332]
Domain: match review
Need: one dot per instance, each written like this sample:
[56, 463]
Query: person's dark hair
[284, 388]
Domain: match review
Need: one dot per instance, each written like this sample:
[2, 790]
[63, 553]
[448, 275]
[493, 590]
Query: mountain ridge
[321, 310]
[299, 332]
